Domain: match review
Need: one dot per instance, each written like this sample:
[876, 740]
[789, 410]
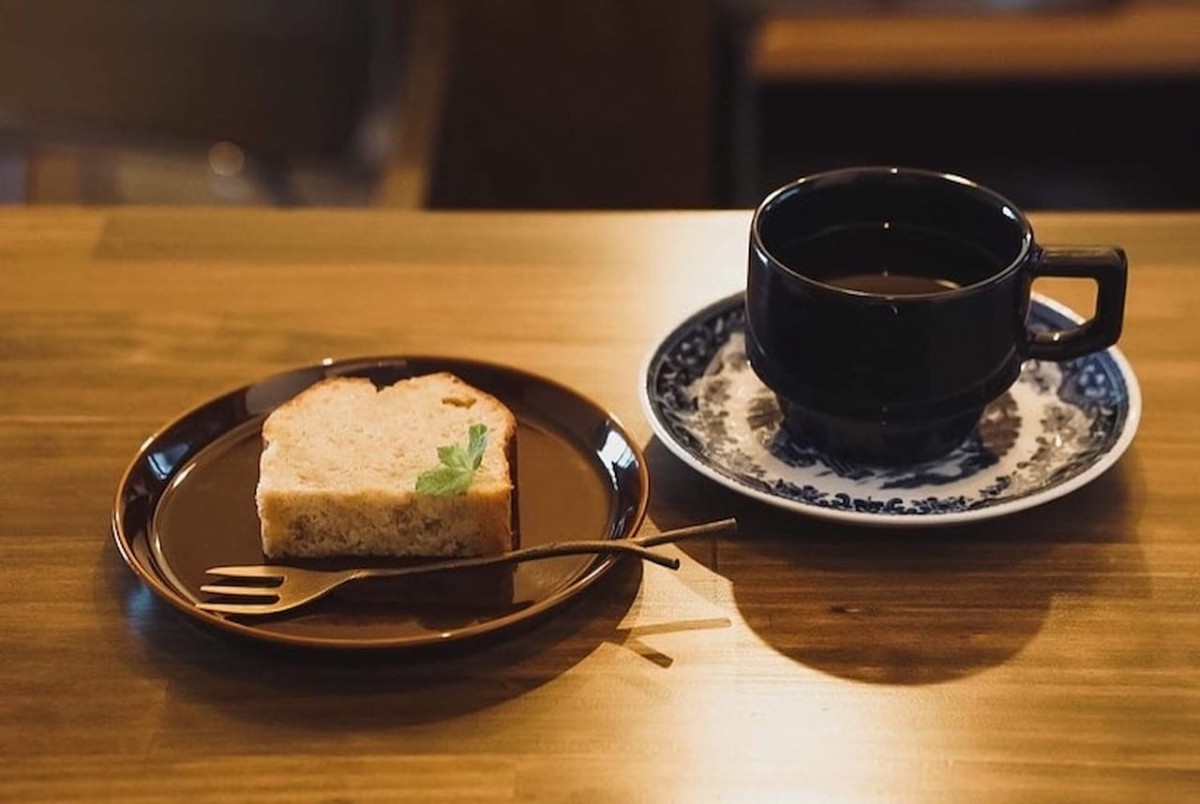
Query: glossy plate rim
[136, 552]
[891, 521]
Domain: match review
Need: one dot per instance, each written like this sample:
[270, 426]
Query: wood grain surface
[1049, 656]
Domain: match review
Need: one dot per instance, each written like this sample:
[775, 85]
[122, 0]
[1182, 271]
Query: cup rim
[1004, 205]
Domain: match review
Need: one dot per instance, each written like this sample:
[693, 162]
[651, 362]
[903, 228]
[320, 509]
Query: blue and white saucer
[1057, 428]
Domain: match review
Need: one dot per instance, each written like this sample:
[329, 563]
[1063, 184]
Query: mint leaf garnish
[457, 465]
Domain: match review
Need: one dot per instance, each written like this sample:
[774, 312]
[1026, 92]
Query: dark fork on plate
[284, 587]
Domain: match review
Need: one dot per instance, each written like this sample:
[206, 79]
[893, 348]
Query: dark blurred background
[591, 104]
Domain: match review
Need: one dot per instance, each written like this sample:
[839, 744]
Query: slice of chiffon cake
[420, 468]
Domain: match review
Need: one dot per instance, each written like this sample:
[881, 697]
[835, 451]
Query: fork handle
[635, 547]
[689, 532]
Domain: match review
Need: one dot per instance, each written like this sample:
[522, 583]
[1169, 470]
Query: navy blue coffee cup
[886, 307]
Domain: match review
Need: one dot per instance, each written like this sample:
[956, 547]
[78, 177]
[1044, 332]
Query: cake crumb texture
[340, 462]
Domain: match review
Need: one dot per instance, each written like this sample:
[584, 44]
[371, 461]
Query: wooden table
[1049, 656]
[1129, 39]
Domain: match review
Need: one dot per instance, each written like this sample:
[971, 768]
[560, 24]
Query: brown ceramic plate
[186, 503]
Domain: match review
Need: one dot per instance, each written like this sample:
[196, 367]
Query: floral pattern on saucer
[1059, 426]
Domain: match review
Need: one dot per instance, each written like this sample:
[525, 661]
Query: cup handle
[1108, 267]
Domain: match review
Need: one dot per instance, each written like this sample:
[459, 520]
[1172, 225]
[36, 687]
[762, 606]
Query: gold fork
[283, 587]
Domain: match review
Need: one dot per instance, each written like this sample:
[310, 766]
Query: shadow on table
[906, 606]
[331, 691]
